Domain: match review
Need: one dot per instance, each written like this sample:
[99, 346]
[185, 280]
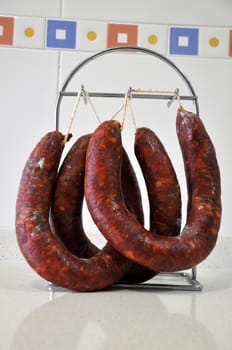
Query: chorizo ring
[44, 252]
[67, 203]
[123, 231]
[163, 191]
[161, 181]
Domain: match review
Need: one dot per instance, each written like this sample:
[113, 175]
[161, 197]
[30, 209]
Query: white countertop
[34, 317]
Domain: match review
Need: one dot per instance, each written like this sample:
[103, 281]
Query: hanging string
[93, 107]
[132, 113]
[124, 108]
[117, 112]
[76, 104]
[179, 100]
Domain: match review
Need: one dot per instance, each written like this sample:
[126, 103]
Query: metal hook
[129, 92]
[174, 97]
[84, 94]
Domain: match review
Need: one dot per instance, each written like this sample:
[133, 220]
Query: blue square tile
[183, 41]
[61, 34]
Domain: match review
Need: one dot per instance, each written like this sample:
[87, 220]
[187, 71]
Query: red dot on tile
[6, 30]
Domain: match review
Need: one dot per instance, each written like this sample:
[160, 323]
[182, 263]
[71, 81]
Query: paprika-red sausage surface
[161, 181]
[45, 252]
[164, 197]
[67, 201]
[118, 225]
[163, 188]
[67, 205]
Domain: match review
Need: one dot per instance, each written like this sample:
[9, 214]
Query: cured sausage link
[68, 198]
[67, 201]
[133, 201]
[161, 181]
[123, 231]
[67, 205]
[44, 252]
[163, 191]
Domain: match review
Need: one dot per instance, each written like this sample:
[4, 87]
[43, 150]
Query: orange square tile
[122, 35]
[230, 45]
[6, 30]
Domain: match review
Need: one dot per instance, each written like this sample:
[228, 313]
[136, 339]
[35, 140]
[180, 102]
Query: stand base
[181, 281]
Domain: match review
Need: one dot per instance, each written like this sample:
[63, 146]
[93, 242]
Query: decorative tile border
[62, 34]
[122, 35]
[92, 36]
[153, 37]
[29, 32]
[183, 41]
[6, 30]
[214, 43]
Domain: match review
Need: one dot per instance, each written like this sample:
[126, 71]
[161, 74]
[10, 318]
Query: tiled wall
[80, 35]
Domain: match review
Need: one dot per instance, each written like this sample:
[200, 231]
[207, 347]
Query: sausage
[67, 201]
[161, 182]
[67, 205]
[163, 192]
[133, 201]
[44, 252]
[117, 224]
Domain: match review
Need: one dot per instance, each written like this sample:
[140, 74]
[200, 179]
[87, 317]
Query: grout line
[62, 8]
[58, 80]
[59, 59]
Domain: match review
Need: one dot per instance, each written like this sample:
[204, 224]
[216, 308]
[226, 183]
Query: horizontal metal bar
[160, 286]
[134, 95]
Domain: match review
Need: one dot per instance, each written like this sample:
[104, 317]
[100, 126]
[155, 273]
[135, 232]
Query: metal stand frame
[182, 281]
[190, 281]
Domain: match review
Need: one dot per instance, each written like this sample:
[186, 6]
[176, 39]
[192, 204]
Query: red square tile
[122, 35]
[6, 30]
[230, 45]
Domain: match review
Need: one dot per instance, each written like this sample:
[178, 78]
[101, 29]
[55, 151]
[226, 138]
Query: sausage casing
[67, 205]
[44, 252]
[123, 231]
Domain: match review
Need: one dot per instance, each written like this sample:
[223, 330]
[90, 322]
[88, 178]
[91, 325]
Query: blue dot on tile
[183, 41]
[61, 34]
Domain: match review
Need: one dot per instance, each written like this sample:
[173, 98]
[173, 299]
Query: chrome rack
[163, 281]
[63, 93]
[182, 281]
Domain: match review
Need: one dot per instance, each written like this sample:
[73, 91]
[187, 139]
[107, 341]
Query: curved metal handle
[123, 48]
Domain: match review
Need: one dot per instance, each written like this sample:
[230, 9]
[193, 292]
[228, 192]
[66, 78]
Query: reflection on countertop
[34, 316]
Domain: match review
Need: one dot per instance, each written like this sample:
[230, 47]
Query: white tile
[31, 7]
[102, 10]
[153, 37]
[28, 90]
[209, 12]
[213, 42]
[29, 32]
[91, 35]
[61, 34]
